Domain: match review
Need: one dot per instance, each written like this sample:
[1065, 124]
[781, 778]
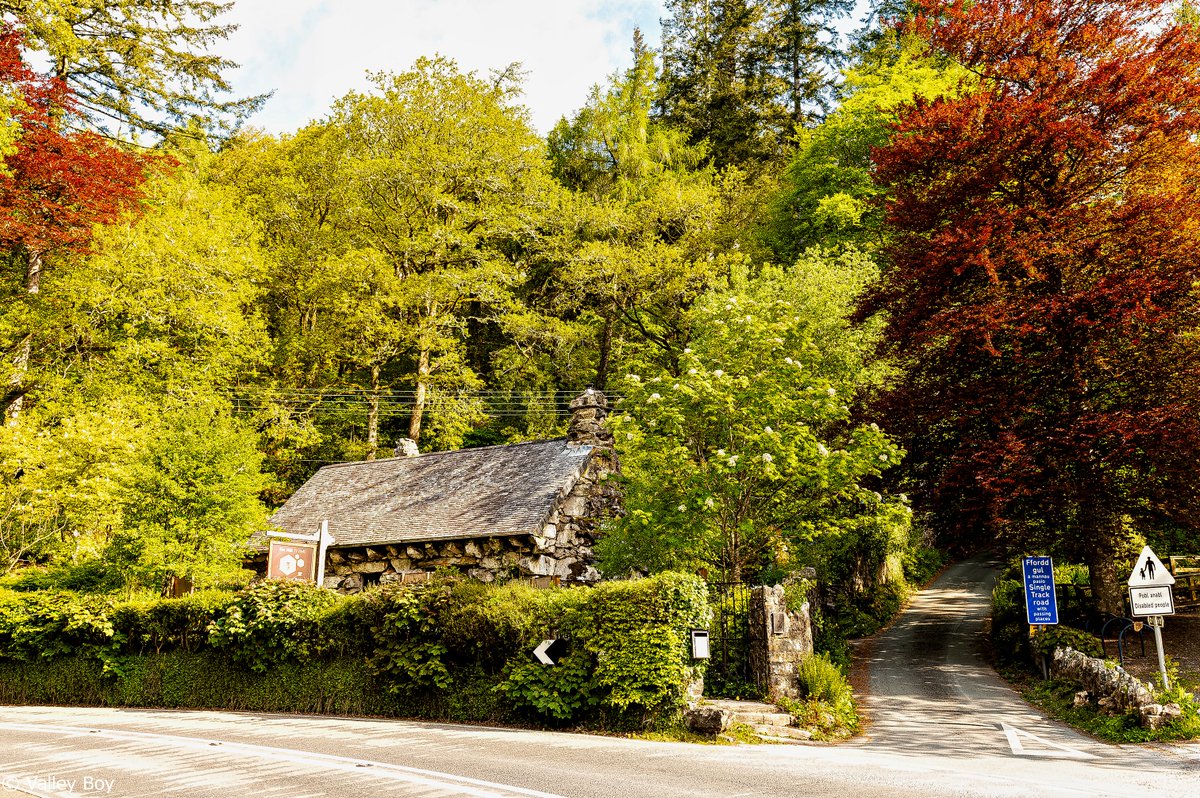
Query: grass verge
[1057, 699]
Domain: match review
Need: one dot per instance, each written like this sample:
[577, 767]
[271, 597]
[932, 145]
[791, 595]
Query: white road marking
[1060, 751]
[463, 785]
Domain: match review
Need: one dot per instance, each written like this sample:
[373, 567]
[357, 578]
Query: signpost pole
[1150, 597]
[1045, 667]
[323, 542]
[1162, 663]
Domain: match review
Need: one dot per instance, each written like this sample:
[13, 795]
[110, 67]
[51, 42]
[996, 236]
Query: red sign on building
[294, 562]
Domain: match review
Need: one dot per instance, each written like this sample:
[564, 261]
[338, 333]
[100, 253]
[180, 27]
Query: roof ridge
[428, 455]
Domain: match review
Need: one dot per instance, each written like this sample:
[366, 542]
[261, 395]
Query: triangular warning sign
[1149, 571]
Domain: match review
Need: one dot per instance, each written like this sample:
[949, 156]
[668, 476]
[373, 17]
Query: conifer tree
[742, 74]
[135, 65]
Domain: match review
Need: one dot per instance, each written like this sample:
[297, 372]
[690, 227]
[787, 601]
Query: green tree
[135, 65]
[443, 173]
[158, 319]
[749, 460]
[397, 229]
[641, 236]
[744, 74]
[827, 196]
[613, 147]
[190, 502]
[309, 290]
[59, 483]
[55, 187]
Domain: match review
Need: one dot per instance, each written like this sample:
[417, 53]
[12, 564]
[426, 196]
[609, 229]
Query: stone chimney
[406, 447]
[588, 411]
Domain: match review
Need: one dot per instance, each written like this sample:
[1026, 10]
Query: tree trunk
[1104, 547]
[33, 273]
[797, 94]
[373, 415]
[1106, 582]
[33, 284]
[605, 355]
[414, 424]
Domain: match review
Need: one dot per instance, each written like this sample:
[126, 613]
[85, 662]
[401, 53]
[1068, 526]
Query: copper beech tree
[55, 185]
[1042, 277]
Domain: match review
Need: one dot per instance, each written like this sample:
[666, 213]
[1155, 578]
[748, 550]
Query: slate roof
[485, 492]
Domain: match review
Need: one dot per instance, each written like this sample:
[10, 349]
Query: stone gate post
[779, 639]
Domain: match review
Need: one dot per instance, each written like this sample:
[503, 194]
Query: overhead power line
[492, 403]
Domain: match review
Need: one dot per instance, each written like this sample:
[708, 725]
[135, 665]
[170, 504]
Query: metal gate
[728, 673]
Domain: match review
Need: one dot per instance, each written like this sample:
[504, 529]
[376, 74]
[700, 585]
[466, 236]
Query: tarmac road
[942, 724]
[932, 696]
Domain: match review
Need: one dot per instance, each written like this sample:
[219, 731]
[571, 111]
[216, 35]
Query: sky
[311, 52]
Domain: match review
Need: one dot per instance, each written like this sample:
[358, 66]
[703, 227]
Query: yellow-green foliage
[1048, 639]
[827, 709]
[446, 649]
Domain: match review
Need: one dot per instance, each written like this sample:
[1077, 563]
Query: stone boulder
[707, 720]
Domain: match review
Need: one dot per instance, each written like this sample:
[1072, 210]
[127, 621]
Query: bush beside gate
[448, 649]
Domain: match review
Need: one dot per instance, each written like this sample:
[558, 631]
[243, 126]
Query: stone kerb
[1112, 687]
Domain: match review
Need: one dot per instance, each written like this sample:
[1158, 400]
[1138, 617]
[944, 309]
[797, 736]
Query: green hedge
[448, 649]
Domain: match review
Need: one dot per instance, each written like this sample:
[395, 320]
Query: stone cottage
[519, 510]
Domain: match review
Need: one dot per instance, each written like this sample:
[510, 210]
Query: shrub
[169, 624]
[45, 625]
[827, 709]
[88, 576]
[1010, 631]
[447, 648]
[270, 623]
[409, 651]
[820, 679]
[922, 563]
[628, 661]
[638, 632]
[1052, 637]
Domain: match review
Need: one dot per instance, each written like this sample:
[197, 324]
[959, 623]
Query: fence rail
[1187, 589]
[1078, 598]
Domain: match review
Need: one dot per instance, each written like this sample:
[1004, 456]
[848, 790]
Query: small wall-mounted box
[700, 644]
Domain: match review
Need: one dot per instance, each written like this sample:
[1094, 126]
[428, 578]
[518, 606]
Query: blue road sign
[1041, 605]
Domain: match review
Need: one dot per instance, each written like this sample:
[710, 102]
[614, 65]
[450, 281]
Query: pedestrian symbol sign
[1149, 571]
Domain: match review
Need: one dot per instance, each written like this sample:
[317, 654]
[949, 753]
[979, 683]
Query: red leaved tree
[1041, 283]
[55, 186]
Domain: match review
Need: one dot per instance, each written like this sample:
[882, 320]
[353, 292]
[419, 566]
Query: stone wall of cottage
[352, 568]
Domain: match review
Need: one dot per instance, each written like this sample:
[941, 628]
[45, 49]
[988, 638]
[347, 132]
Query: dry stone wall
[1111, 687]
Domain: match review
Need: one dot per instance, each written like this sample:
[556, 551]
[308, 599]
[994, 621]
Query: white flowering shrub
[747, 453]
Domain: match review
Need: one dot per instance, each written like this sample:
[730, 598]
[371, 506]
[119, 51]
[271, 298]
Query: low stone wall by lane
[1111, 687]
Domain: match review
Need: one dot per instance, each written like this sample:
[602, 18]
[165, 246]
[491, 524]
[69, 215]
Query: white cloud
[310, 52]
